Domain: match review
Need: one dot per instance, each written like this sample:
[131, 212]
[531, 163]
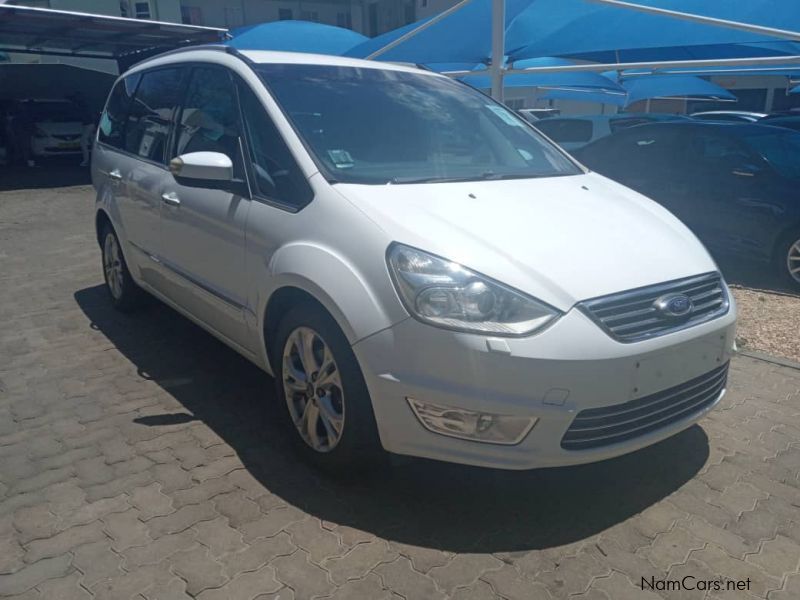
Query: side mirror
[203, 166]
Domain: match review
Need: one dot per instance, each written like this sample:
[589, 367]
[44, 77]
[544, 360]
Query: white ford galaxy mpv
[419, 269]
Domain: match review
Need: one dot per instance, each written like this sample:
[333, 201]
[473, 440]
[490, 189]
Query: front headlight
[445, 294]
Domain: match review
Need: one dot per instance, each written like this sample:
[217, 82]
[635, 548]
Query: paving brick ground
[138, 459]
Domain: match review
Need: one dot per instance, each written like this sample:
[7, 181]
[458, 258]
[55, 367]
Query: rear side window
[566, 130]
[151, 113]
[112, 121]
[276, 174]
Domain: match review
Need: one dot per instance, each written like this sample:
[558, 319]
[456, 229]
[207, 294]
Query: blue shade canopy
[296, 36]
[593, 81]
[598, 32]
[668, 86]
[462, 37]
[576, 28]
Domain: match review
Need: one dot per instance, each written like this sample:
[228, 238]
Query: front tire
[125, 295]
[322, 392]
[788, 259]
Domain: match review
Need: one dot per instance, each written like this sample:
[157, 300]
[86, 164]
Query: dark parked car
[737, 186]
[788, 121]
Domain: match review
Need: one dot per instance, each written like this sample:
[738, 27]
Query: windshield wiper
[485, 176]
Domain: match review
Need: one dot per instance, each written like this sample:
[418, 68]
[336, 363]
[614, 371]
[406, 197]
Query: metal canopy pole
[498, 48]
[675, 64]
[409, 34]
[770, 31]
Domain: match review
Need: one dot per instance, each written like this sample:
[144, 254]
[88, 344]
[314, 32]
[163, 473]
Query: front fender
[362, 301]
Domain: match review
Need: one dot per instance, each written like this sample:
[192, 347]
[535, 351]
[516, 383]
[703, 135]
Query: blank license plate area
[673, 367]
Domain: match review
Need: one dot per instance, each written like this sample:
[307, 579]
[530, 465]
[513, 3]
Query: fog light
[472, 425]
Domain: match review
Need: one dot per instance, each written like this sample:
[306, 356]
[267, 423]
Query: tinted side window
[636, 152]
[566, 130]
[209, 120]
[277, 176]
[152, 112]
[112, 122]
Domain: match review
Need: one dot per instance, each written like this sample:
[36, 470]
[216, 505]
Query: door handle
[115, 175]
[170, 198]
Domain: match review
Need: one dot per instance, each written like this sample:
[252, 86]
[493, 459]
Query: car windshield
[380, 126]
[781, 149]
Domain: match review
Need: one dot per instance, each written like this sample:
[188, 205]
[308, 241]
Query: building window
[285, 14]
[344, 19]
[141, 10]
[408, 12]
[372, 18]
[310, 15]
[191, 15]
[423, 3]
[233, 16]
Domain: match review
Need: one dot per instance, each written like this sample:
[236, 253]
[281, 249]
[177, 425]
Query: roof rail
[182, 49]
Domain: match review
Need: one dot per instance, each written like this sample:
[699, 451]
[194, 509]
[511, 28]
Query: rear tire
[125, 295]
[787, 259]
[322, 393]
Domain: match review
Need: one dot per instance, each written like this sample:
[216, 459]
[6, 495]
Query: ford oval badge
[674, 305]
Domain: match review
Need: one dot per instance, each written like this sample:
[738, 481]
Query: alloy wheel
[112, 265]
[793, 261]
[312, 387]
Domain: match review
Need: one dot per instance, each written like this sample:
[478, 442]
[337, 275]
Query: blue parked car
[736, 185]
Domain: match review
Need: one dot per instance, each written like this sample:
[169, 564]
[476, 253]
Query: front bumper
[570, 367]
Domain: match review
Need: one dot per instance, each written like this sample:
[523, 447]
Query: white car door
[202, 228]
[130, 156]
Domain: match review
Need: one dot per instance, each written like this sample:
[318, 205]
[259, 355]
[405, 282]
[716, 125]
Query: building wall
[370, 17]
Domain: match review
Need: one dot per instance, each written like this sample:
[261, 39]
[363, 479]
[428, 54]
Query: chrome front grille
[635, 314]
[597, 427]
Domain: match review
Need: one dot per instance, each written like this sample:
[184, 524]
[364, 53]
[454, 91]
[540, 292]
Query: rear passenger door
[144, 172]
[735, 190]
[202, 228]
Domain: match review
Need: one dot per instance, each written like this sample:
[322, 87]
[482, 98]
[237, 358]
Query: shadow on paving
[414, 501]
[51, 172]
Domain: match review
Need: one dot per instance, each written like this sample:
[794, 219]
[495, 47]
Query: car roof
[773, 118]
[744, 113]
[734, 127]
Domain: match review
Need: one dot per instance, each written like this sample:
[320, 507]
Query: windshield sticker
[341, 158]
[506, 116]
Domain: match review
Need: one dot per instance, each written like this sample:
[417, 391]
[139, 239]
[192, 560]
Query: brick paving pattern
[139, 459]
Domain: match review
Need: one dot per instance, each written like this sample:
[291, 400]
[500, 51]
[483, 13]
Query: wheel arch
[281, 302]
[315, 274]
[101, 219]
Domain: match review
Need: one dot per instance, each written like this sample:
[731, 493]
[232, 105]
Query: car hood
[560, 239]
[60, 127]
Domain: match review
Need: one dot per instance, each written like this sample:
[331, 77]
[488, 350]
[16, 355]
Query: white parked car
[419, 270]
[57, 127]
